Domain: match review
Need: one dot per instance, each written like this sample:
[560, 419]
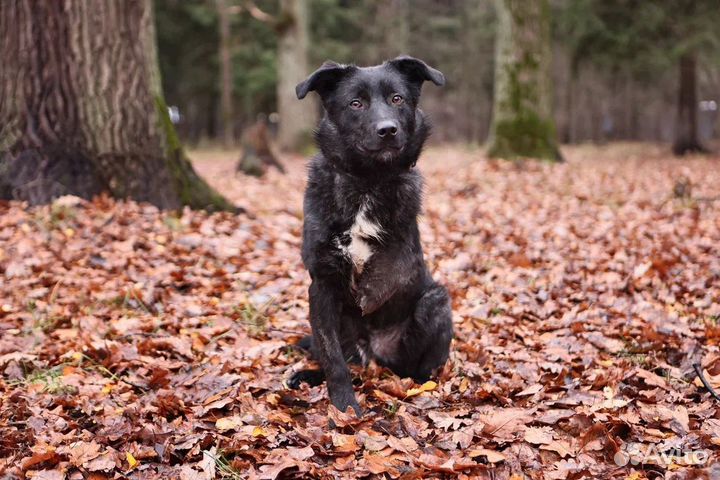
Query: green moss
[526, 136]
[171, 139]
[191, 188]
[522, 121]
[523, 133]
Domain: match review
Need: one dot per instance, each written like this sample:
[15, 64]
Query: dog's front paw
[345, 398]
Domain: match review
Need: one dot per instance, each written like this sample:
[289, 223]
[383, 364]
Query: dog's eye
[356, 104]
[396, 100]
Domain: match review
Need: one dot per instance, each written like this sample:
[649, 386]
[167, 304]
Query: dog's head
[372, 118]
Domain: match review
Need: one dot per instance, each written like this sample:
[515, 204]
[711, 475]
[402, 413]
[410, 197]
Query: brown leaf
[345, 463]
[343, 419]
[50, 457]
[519, 260]
[505, 423]
[104, 462]
[539, 435]
[48, 475]
[301, 453]
[406, 444]
[371, 441]
[344, 443]
[561, 447]
[491, 455]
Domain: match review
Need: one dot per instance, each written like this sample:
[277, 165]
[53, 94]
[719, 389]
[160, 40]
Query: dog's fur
[371, 294]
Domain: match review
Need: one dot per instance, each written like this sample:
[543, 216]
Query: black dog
[371, 294]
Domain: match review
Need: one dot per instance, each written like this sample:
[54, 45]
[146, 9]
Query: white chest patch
[359, 250]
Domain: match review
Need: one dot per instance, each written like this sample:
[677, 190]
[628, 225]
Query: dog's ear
[417, 71]
[323, 79]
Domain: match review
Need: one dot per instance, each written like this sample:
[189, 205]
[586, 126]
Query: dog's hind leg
[433, 312]
[426, 344]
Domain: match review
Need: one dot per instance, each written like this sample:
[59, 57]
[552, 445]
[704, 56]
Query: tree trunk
[568, 131]
[686, 130]
[226, 83]
[391, 28]
[522, 124]
[297, 119]
[82, 110]
[470, 86]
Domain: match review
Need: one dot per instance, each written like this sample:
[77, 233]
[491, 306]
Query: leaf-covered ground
[145, 344]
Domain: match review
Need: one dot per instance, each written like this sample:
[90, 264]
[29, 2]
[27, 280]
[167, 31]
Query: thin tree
[81, 107]
[226, 83]
[292, 68]
[292, 27]
[686, 128]
[522, 124]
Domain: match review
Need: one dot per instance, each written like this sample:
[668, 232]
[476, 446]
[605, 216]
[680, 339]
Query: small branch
[701, 376]
[258, 14]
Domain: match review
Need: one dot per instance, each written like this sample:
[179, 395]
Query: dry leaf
[425, 387]
[491, 455]
[539, 435]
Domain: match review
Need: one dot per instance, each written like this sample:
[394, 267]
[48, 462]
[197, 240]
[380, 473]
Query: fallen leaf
[539, 435]
[229, 423]
[132, 462]
[561, 447]
[425, 387]
[491, 455]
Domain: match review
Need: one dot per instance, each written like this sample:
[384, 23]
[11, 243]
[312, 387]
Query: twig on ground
[701, 376]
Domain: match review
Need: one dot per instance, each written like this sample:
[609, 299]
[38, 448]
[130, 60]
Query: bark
[686, 128]
[82, 110]
[570, 106]
[297, 119]
[391, 29]
[475, 106]
[226, 83]
[522, 124]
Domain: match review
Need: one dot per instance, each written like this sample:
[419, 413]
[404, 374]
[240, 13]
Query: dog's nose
[387, 127]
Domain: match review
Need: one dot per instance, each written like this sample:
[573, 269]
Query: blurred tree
[339, 31]
[686, 130]
[522, 124]
[291, 24]
[226, 84]
[82, 109]
[255, 63]
[615, 73]
[189, 54]
[646, 39]
[187, 37]
[477, 34]
[297, 119]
